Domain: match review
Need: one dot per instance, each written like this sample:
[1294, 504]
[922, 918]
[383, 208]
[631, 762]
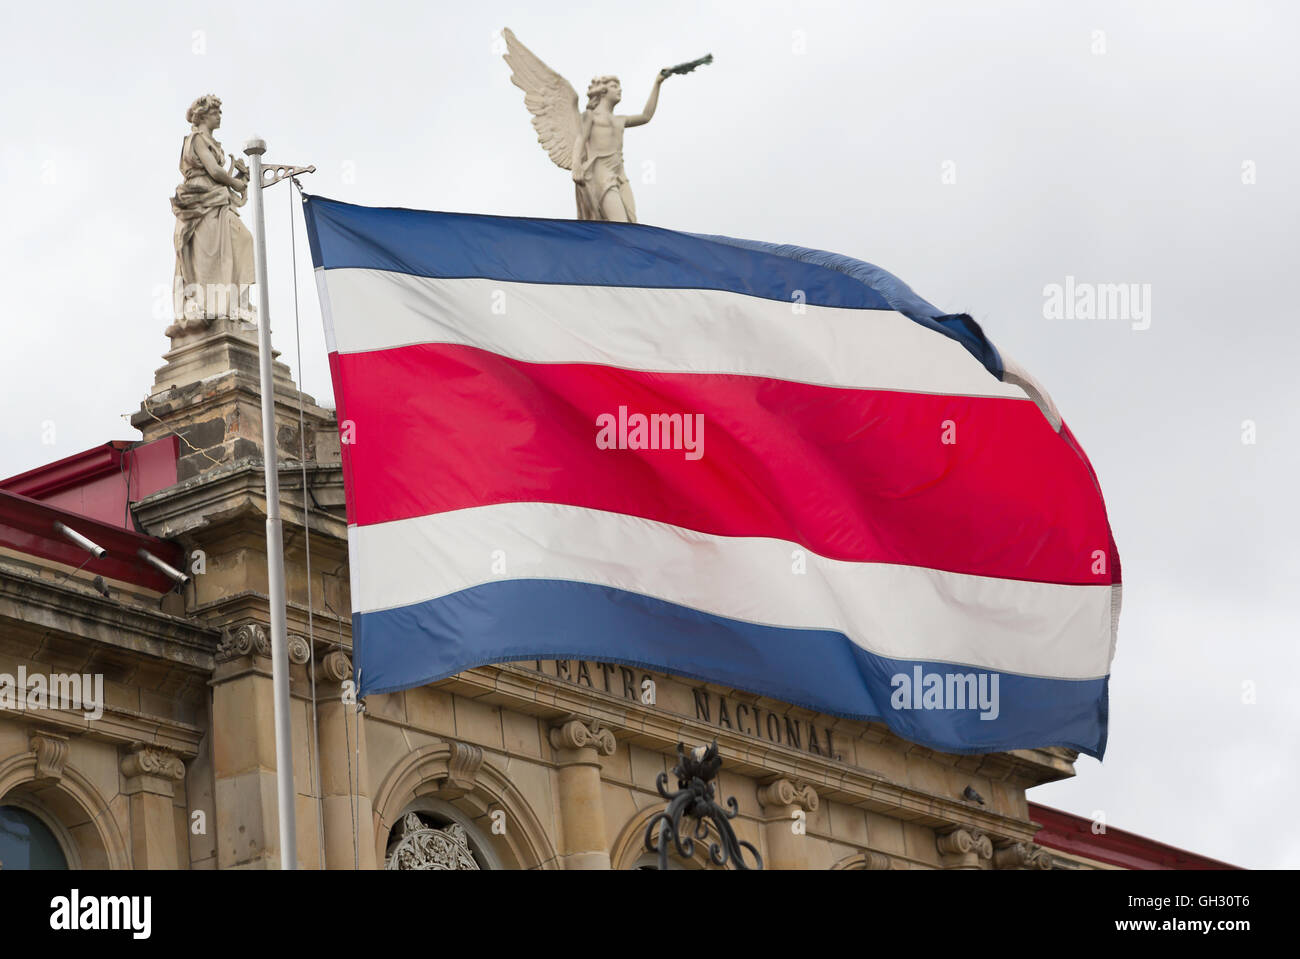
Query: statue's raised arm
[589, 144]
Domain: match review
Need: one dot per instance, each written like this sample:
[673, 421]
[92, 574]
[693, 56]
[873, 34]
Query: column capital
[335, 666]
[246, 639]
[577, 733]
[784, 792]
[1021, 855]
[963, 848]
[251, 639]
[151, 769]
[299, 649]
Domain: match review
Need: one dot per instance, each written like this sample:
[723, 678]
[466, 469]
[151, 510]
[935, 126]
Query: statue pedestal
[208, 393]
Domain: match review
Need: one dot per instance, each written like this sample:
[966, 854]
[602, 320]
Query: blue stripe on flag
[820, 670]
[590, 253]
[576, 252]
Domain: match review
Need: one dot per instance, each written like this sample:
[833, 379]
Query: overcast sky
[981, 151]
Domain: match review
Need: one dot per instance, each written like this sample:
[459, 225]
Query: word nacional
[713, 708]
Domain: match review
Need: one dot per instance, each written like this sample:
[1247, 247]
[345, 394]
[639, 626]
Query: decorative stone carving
[145, 760]
[580, 734]
[299, 651]
[462, 770]
[420, 846]
[251, 639]
[876, 861]
[1021, 855]
[590, 144]
[248, 639]
[336, 666]
[964, 848]
[983, 844]
[955, 843]
[51, 751]
[870, 859]
[783, 792]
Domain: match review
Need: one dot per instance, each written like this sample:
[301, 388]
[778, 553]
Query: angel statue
[214, 250]
[589, 144]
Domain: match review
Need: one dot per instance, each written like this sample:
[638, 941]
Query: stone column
[342, 734]
[578, 744]
[151, 776]
[243, 751]
[781, 799]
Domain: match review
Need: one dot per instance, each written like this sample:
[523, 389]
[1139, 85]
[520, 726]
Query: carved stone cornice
[783, 792]
[1021, 855]
[963, 848]
[576, 733]
[51, 751]
[76, 611]
[237, 492]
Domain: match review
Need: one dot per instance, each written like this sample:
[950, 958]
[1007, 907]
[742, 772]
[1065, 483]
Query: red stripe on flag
[856, 475]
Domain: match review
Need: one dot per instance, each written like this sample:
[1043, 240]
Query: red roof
[91, 493]
[101, 482]
[1067, 832]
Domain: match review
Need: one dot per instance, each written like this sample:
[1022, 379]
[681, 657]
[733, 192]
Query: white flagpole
[274, 532]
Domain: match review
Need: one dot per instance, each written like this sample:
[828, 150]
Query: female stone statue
[214, 250]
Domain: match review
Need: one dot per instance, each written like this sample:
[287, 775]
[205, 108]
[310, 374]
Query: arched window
[27, 843]
[433, 834]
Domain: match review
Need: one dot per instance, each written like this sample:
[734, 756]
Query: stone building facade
[528, 765]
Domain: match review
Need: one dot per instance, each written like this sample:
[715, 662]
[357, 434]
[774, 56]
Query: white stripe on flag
[902, 612]
[657, 330]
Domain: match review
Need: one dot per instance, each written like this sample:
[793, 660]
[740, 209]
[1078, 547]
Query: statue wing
[549, 97]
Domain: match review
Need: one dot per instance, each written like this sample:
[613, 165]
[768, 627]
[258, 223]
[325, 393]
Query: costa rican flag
[762, 466]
